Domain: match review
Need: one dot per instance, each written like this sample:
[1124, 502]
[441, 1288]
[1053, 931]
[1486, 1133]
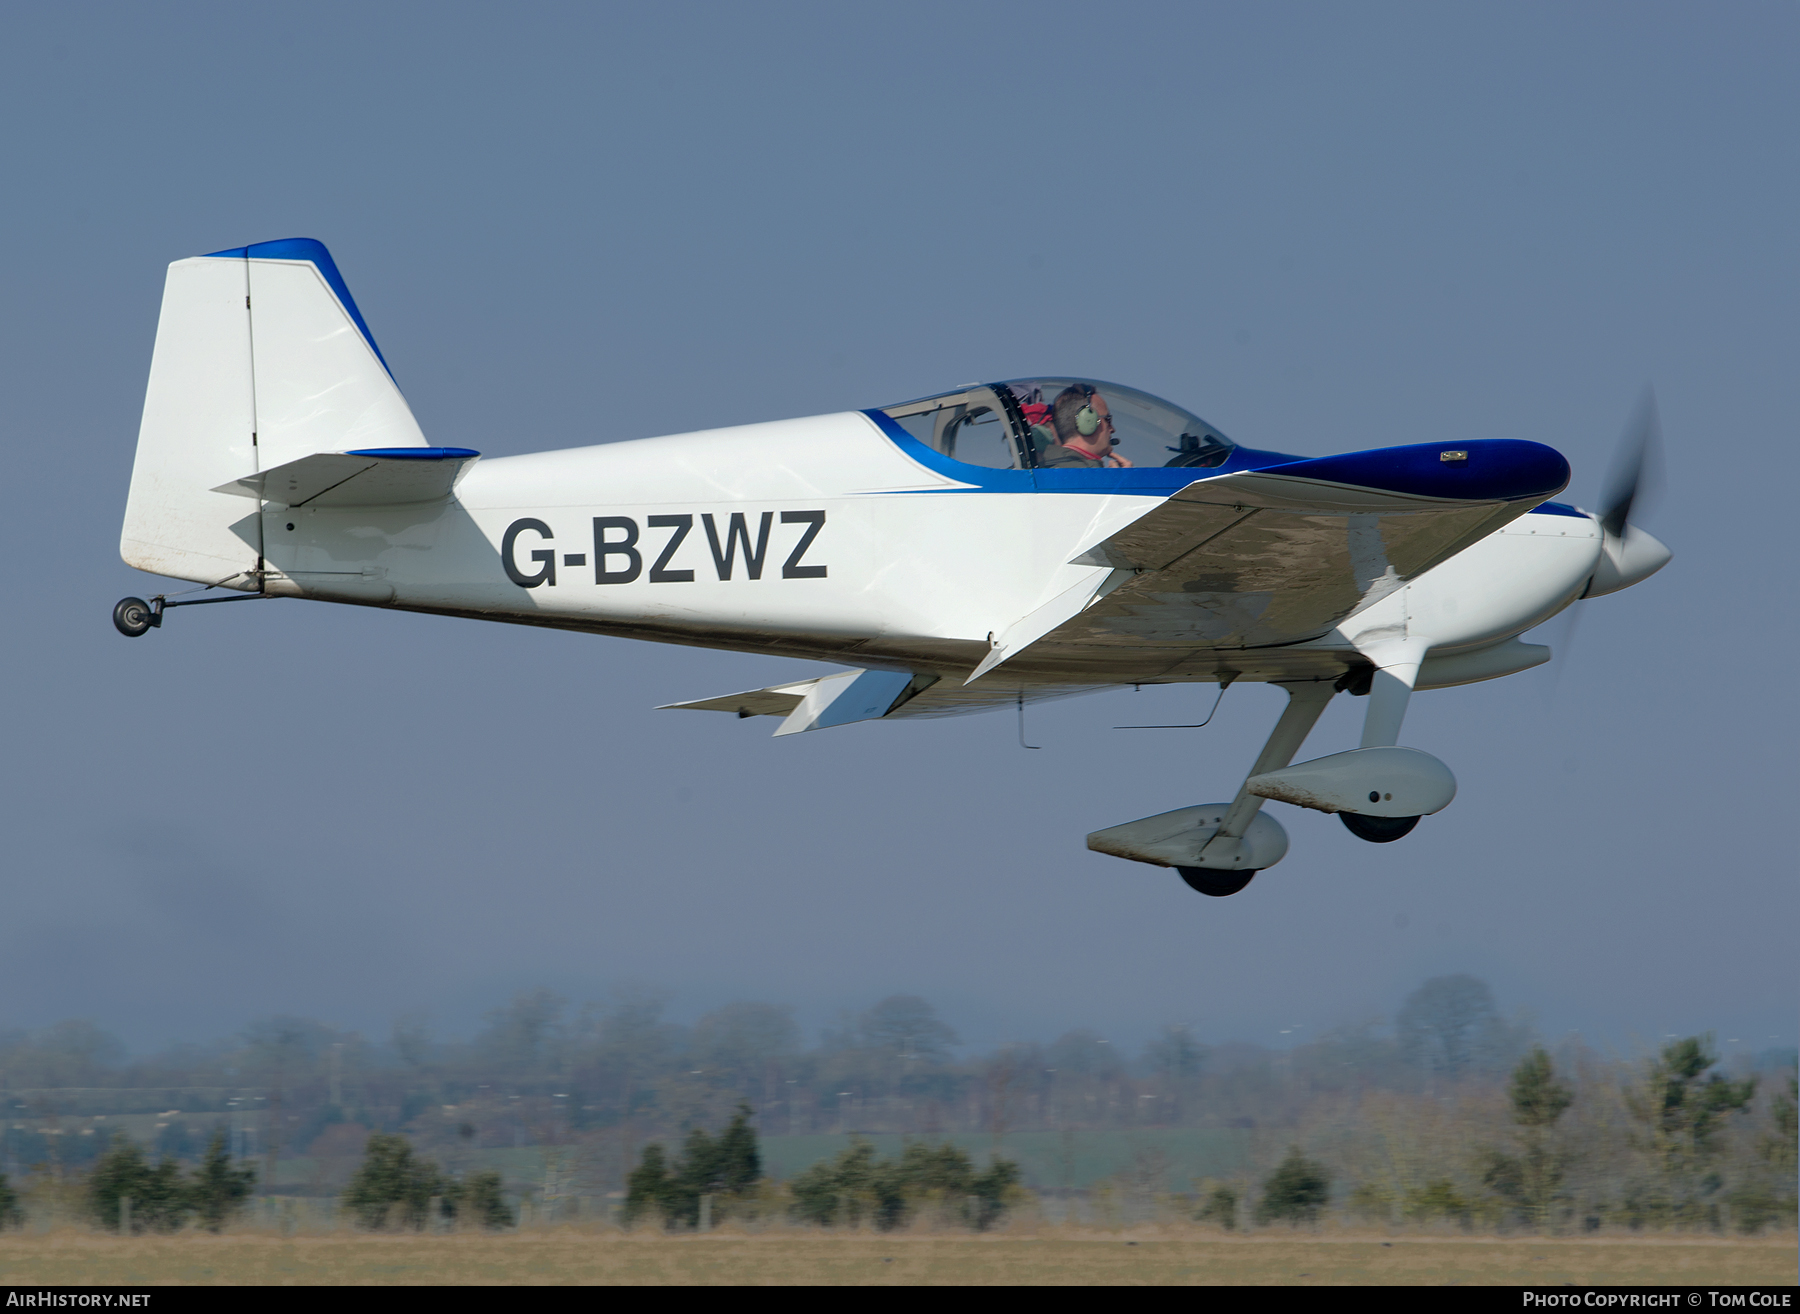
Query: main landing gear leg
[1305, 704]
[1397, 669]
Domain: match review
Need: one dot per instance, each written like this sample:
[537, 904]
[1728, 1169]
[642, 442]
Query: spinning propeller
[1627, 473]
[1627, 554]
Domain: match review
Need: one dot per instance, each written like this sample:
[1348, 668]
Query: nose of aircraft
[1625, 559]
[1628, 554]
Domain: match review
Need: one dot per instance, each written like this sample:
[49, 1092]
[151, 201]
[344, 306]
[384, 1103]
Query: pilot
[1084, 431]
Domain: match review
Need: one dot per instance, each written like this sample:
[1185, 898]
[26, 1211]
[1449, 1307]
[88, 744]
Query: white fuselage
[821, 538]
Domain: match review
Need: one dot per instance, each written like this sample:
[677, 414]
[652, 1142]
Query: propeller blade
[1560, 634]
[1628, 479]
[1637, 447]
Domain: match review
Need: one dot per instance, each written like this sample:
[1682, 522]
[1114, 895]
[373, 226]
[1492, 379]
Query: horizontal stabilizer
[377, 477]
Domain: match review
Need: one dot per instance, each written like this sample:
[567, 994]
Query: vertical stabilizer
[261, 358]
[198, 431]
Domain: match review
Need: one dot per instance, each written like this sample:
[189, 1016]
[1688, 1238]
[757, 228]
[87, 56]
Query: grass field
[1026, 1255]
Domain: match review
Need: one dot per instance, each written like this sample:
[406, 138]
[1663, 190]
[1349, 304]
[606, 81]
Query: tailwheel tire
[132, 617]
[1215, 884]
[1377, 830]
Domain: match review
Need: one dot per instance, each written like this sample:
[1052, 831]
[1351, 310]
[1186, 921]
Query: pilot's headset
[1087, 419]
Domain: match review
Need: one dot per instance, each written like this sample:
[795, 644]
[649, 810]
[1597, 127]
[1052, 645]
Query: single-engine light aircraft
[982, 548]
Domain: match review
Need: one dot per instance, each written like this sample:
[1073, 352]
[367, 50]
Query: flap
[846, 699]
[777, 700]
[1270, 557]
[376, 477]
[819, 703]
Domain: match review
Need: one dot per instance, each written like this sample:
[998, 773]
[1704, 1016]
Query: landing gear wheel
[133, 617]
[1377, 830]
[1217, 884]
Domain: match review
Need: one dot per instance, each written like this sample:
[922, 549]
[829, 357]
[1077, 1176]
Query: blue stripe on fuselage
[1493, 469]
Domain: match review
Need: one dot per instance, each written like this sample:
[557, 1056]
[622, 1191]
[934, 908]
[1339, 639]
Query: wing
[1271, 557]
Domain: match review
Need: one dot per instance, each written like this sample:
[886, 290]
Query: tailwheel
[1217, 884]
[134, 617]
[1377, 830]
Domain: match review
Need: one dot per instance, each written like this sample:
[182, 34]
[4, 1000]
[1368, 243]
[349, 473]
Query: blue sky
[1322, 227]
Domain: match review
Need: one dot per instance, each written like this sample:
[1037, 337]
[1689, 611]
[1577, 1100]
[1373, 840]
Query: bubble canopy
[1060, 422]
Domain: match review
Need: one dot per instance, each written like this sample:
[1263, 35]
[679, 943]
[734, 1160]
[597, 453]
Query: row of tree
[713, 1179]
[720, 1177]
[393, 1188]
[1527, 1176]
[1538, 1173]
[1407, 1122]
[726, 1168]
[894, 1067]
[127, 1192]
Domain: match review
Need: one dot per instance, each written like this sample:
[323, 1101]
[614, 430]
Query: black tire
[1377, 830]
[132, 617]
[1215, 884]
